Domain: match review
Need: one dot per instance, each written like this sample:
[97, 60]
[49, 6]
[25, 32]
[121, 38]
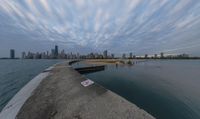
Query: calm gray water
[14, 74]
[167, 89]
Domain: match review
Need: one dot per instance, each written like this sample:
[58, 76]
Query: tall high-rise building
[155, 55]
[105, 54]
[161, 55]
[146, 56]
[112, 56]
[62, 54]
[131, 55]
[23, 55]
[56, 51]
[12, 54]
[124, 56]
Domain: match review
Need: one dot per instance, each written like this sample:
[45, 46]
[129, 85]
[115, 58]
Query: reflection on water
[168, 89]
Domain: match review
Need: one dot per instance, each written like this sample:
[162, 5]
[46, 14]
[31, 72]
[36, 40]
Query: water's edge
[14, 105]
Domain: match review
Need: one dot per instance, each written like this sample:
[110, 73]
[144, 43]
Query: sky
[119, 26]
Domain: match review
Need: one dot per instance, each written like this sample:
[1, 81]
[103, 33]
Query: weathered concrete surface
[61, 96]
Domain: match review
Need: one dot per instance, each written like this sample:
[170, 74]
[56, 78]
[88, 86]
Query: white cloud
[32, 6]
[104, 23]
[183, 23]
[80, 3]
[179, 6]
[131, 4]
[45, 5]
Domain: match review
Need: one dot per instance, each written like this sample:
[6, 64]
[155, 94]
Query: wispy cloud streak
[139, 26]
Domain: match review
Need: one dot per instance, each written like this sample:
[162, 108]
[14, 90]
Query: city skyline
[55, 53]
[138, 26]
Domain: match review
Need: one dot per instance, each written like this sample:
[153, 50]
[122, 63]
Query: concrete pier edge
[14, 105]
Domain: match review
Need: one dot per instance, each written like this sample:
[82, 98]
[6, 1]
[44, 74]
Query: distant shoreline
[9, 58]
[197, 58]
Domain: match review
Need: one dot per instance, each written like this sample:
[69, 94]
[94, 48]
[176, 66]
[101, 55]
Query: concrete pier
[61, 96]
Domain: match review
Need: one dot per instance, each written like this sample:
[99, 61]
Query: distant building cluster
[162, 56]
[105, 55]
[55, 54]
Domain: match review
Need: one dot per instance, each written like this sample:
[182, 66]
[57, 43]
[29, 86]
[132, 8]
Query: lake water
[167, 89]
[14, 74]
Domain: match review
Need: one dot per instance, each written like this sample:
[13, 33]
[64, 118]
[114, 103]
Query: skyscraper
[161, 55]
[146, 56]
[12, 54]
[105, 54]
[131, 55]
[155, 55]
[112, 56]
[56, 51]
[23, 55]
[124, 56]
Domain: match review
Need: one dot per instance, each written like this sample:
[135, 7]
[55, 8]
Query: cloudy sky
[138, 26]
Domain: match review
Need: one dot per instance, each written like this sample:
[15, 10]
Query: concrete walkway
[61, 96]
